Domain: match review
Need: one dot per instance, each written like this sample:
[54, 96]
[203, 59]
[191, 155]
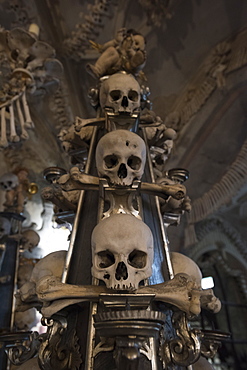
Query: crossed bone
[77, 180]
[180, 292]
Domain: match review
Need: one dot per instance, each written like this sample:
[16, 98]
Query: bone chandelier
[141, 296]
[27, 65]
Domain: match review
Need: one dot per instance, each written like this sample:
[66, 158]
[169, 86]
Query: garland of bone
[88, 29]
[24, 15]
[158, 10]
[60, 107]
[223, 59]
[217, 259]
[18, 103]
[223, 191]
[26, 65]
[59, 103]
[217, 230]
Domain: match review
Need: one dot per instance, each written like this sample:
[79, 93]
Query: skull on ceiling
[122, 251]
[121, 93]
[8, 181]
[121, 157]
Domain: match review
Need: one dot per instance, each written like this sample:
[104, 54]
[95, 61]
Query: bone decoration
[63, 201]
[88, 27]
[122, 251]
[49, 294]
[184, 264]
[171, 205]
[17, 187]
[25, 270]
[27, 65]
[28, 239]
[50, 265]
[120, 93]
[121, 157]
[9, 183]
[76, 180]
[25, 320]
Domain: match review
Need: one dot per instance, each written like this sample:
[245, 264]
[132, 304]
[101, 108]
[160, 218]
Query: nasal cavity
[125, 102]
[121, 271]
[122, 172]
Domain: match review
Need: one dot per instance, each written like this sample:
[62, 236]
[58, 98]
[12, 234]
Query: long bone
[28, 120]
[24, 133]
[3, 140]
[81, 181]
[13, 135]
[179, 292]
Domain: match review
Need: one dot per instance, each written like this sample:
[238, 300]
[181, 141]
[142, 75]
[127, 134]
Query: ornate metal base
[130, 332]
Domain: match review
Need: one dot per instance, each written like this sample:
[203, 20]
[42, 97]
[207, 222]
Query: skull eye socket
[134, 162]
[106, 259]
[115, 95]
[137, 259]
[111, 161]
[133, 95]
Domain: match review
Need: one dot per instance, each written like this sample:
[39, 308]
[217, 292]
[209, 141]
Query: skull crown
[121, 93]
[122, 252]
[121, 157]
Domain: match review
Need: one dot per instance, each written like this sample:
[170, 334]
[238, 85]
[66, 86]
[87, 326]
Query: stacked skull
[122, 245]
[121, 157]
[122, 248]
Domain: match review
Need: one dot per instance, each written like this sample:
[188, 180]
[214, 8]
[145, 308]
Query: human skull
[50, 265]
[121, 157]
[25, 320]
[120, 92]
[25, 270]
[122, 251]
[8, 181]
[5, 227]
[29, 240]
[184, 264]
